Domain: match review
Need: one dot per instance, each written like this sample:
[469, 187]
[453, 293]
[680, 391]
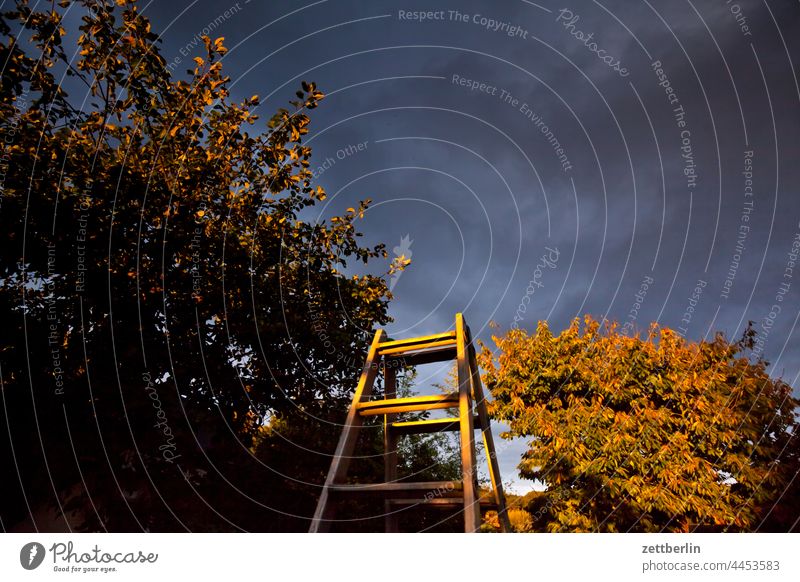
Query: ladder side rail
[390, 445]
[488, 442]
[347, 440]
[472, 514]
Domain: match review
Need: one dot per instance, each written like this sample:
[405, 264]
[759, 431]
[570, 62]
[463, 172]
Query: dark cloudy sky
[573, 144]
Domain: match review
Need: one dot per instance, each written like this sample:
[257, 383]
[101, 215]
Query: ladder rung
[432, 345]
[441, 354]
[418, 489]
[429, 426]
[486, 502]
[413, 404]
[449, 335]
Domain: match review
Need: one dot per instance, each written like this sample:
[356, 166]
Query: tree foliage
[164, 293]
[651, 433]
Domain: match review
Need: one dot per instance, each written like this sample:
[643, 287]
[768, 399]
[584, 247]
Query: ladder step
[429, 426]
[487, 503]
[415, 490]
[414, 404]
[430, 356]
[414, 341]
[394, 351]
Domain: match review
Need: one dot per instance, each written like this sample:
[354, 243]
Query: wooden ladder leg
[472, 513]
[488, 441]
[347, 440]
[390, 445]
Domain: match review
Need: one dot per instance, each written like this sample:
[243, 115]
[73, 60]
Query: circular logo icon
[31, 555]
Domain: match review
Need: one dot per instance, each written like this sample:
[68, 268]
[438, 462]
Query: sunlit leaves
[643, 433]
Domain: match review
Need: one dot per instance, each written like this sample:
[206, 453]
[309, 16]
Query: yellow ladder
[388, 356]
